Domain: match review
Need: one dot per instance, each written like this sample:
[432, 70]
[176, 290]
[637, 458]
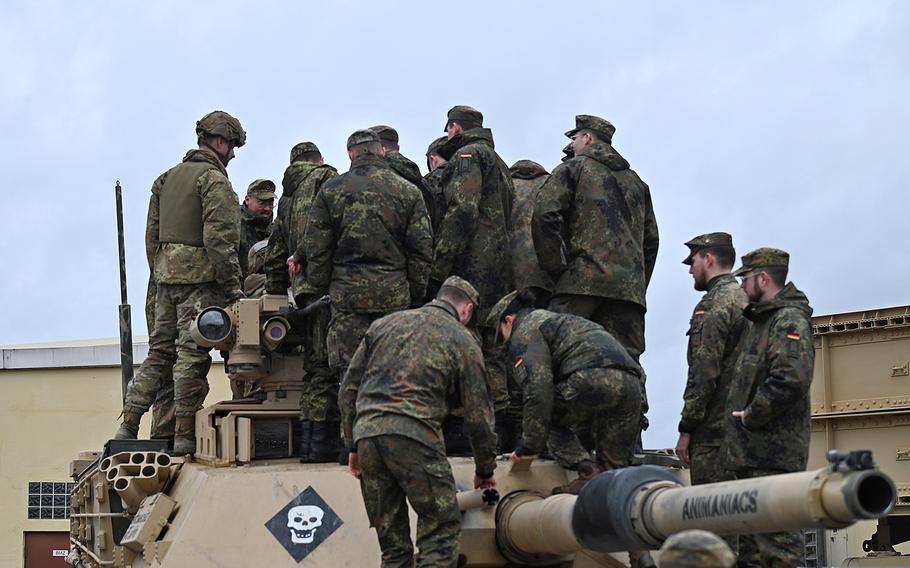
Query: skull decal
[303, 520]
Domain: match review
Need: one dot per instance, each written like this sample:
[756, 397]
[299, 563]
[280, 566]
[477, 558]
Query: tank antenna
[126, 325]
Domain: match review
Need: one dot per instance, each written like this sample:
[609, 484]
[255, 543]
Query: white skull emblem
[303, 520]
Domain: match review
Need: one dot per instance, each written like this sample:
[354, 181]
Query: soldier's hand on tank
[293, 265]
[484, 483]
[354, 464]
[682, 448]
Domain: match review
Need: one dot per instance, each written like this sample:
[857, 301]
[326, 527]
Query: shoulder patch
[518, 362]
[793, 336]
[699, 312]
[464, 162]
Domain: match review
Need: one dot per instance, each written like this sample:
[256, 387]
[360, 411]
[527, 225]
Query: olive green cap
[301, 149]
[500, 308]
[599, 126]
[462, 114]
[386, 133]
[695, 549]
[707, 241]
[464, 287]
[362, 137]
[763, 258]
[435, 145]
[263, 189]
[220, 123]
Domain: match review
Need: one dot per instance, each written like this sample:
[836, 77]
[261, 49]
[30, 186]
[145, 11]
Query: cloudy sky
[783, 123]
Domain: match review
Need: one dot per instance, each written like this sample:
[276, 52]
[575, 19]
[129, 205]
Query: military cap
[499, 309]
[386, 133]
[763, 258]
[695, 549]
[599, 126]
[220, 123]
[463, 113]
[464, 287]
[263, 189]
[435, 145]
[301, 149]
[362, 137]
[707, 241]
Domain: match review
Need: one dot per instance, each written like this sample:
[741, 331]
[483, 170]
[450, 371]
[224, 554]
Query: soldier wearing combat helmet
[192, 241]
[714, 332]
[768, 433]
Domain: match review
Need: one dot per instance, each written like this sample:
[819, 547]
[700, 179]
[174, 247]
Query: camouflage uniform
[473, 237]
[254, 228]
[714, 333]
[435, 182]
[412, 368]
[192, 237]
[254, 283]
[368, 243]
[573, 373]
[163, 416]
[695, 549]
[527, 177]
[302, 181]
[771, 384]
[596, 235]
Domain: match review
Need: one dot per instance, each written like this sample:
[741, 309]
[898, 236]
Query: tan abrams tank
[244, 499]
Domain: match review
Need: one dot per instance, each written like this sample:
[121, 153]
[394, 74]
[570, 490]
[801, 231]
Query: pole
[126, 325]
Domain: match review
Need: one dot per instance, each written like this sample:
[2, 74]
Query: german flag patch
[793, 336]
[518, 362]
[466, 155]
[699, 312]
[464, 164]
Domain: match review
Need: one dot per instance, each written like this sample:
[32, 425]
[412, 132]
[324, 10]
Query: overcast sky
[784, 123]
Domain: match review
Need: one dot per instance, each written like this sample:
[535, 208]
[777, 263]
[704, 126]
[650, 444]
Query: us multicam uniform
[573, 373]
[410, 371]
[253, 228]
[473, 237]
[596, 235]
[527, 177]
[714, 334]
[771, 384]
[302, 181]
[368, 243]
[163, 418]
[192, 238]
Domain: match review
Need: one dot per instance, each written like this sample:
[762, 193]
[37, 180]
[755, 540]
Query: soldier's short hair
[723, 254]
[453, 296]
[312, 157]
[465, 125]
[366, 148]
[777, 274]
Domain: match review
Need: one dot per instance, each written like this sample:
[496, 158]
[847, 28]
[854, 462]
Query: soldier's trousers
[709, 465]
[395, 468]
[172, 350]
[163, 418]
[345, 331]
[608, 401]
[625, 321]
[769, 550]
[319, 397]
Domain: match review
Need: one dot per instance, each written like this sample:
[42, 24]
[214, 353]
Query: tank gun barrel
[637, 508]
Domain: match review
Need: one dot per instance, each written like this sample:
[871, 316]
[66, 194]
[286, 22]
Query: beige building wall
[55, 401]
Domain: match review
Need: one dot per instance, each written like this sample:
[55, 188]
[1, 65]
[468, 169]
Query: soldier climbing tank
[244, 499]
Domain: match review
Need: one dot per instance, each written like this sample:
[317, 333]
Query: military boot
[306, 434]
[324, 443]
[184, 436]
[587, 470]
[129, 429]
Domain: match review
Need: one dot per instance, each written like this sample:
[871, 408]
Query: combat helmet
[220, 123]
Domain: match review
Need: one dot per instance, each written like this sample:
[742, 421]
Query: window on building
[49, 499]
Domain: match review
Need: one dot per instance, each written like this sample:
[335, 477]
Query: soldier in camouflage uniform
[527, 178]
[596, 235]
[714, 333]
[254, 283]
[435, 182]
[368, 243]
[286, 268]
[255, 218]
[571, 373]
[192, 239]
[695, 549]
[405, 378]
[769, 395]
[473, 237]
[400, 164]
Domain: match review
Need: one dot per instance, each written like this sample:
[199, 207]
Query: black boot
[324, 443]
[306, 434]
